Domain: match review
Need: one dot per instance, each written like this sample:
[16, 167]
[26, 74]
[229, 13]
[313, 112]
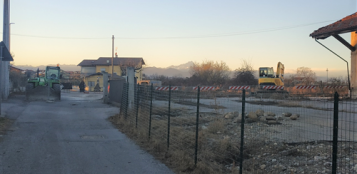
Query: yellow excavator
[270, 81]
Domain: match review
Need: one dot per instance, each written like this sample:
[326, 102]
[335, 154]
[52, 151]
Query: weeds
[4, 124]
[180, 155]
[216, 126]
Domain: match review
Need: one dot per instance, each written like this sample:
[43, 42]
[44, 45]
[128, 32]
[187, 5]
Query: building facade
[91, 70]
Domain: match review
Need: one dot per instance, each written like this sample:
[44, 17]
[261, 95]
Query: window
[266, 72]
[102, 69]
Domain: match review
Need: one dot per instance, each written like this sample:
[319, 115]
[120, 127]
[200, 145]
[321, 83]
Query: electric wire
[181, 37]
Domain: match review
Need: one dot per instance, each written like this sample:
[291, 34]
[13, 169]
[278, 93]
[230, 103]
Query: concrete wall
[105, 87]
[353, 66]
[116, 90]
[131, 80]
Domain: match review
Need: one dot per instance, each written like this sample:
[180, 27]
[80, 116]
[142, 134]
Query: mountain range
[182, 70]
[42, 67]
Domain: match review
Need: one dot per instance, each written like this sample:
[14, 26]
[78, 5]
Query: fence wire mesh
[285, 131]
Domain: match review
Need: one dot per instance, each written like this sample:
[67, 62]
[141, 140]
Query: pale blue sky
[44, 31]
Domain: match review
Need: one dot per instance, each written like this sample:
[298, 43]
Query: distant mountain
[184, 66]
[42, 67]
[171, 71]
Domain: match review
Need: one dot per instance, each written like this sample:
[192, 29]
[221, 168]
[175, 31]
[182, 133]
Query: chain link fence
[243, 129]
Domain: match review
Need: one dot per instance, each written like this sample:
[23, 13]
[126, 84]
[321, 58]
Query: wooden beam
[344, 42]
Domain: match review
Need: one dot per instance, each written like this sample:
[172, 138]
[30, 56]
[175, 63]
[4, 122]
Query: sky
[168, 33]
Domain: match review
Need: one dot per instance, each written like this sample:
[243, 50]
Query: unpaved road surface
[70, 136]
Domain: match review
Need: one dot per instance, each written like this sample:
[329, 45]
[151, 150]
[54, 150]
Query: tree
[244, 75]
[18, 80]
[305, 76]
[337, 81]
[209, 73]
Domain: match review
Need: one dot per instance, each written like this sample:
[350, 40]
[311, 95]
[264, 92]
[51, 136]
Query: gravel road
[69, 136]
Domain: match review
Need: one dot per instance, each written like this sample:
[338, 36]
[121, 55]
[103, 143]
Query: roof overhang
[345, 25]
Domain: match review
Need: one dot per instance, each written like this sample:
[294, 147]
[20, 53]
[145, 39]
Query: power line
[55, 37]
[234, 33]
[181, 37]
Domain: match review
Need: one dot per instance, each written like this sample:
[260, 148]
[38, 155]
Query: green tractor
[45, 88]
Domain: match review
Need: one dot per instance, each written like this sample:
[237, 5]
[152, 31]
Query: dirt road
[70, 136]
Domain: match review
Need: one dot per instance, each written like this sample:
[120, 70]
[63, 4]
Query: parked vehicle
[47, 87]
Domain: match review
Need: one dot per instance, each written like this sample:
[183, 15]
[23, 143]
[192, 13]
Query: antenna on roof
[116, 53]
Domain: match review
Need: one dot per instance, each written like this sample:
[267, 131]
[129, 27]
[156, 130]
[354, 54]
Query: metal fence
[243, 130]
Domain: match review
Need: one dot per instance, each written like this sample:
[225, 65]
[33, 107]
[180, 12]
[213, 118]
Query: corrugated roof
[122, 61]
[345, 25]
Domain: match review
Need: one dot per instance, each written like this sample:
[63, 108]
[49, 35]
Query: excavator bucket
[43, 93]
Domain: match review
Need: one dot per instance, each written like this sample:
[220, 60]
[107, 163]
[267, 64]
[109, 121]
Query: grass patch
[5, 123]
[214, 152]
[216, 126]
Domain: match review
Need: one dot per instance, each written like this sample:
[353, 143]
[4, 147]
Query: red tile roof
[345, 25]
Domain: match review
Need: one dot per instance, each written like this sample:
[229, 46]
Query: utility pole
[6, 39]
[1, 74]
[112, 57]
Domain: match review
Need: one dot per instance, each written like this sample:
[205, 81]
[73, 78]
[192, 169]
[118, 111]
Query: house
[91, 70]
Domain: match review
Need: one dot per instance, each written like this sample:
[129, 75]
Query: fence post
[168, 119]
[242, 133]
[151, 89]
[127, 100]
[197, 116]
[122, 101]
[335, 134]
[137, 105]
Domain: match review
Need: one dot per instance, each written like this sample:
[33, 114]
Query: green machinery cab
[45, 87]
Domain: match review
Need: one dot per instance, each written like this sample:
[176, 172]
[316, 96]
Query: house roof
[14, 68]
[122, 61]
[345, 25]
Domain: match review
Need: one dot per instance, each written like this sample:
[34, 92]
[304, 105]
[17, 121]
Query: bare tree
[305, 76]
[209, 73]
[337, 81]
[244, 75]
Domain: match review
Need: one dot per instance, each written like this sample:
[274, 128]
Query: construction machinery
[270, 81]
[46, 87]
